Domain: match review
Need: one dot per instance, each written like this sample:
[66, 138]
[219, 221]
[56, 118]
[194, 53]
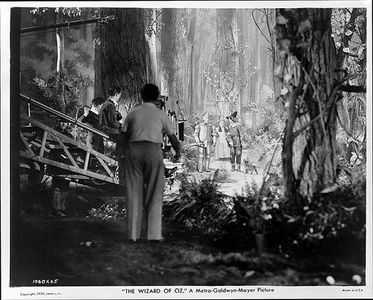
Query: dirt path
[235, 183]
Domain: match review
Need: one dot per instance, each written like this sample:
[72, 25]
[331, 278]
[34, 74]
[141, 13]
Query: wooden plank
[86, 161]
[105, 167]
[43, 141]
[26, 154]
[61, 115]
[71, 141]
[39, 145]
[74, 169]
[24, 141]
[72, 160]
[29, 154]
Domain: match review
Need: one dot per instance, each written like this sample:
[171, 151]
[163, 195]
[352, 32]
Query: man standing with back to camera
[144, 170]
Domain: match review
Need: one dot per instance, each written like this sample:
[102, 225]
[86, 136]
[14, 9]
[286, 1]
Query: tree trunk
[60, 63]
[307, 61]
[120, 58]
[173, 54]
[190, 45]
[227, 58]
[151, 41]
[243, 37]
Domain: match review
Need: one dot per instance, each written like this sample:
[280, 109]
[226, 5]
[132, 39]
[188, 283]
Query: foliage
[66, 11]
[188, 151]
[349, 33]
[59, 91]
[108, 211]
[35, 192]
[261, 141]
[254, 210]
[333, 220]
[200, 206]
[153, 21]
[38, 56]
[233, 83]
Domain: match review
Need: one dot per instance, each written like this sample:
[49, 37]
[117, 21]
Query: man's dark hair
[113, 90]
[98, 101]
[149, 92]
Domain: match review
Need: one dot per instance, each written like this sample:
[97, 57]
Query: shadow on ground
[81, 250]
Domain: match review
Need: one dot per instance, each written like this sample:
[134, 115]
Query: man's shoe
[156, 241]
[133, 241]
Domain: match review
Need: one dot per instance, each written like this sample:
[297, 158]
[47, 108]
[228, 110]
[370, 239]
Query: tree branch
[299, 131]
[353, 89]
[346, 130]
[256, 24]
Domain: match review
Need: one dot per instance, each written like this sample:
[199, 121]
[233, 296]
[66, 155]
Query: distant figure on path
[235, 142]
[144, 170]
[222, 149]
[206, 138]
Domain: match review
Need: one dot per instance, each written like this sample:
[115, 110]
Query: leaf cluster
[200, 205]
[59, 91]
[110, 211]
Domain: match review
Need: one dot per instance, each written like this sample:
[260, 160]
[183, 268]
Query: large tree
[121, 54]
[224, 71]
[308, 69]
[173, 55]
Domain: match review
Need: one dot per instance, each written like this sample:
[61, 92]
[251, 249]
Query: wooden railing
[62, 154]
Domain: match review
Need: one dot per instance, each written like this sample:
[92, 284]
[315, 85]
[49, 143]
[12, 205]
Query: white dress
[222, 149]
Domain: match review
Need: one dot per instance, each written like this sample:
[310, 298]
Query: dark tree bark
[191, 45]
[227, 58]
[121, 54]
[243, 17]
[307, 63]
[173, 55]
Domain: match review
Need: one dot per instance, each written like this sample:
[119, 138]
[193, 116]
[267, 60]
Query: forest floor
[80, 250]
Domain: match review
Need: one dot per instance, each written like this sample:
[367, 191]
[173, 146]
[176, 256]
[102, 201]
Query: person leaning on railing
[109, 116]
[91, 116]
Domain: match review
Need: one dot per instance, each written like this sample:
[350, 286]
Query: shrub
[334, 217]
[200, 205]
[254, 211]
[108, 211]
[331, 222]
[188, 151]
[50, 91]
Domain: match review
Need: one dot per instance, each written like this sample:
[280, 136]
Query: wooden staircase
[56, 154]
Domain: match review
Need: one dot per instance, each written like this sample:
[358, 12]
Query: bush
[108, 211]
[331, 222]
[188, 151]
[255, 212]
[200, 206]
[49, 91]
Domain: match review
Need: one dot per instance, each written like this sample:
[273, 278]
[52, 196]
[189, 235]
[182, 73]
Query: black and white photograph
[168, 149]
